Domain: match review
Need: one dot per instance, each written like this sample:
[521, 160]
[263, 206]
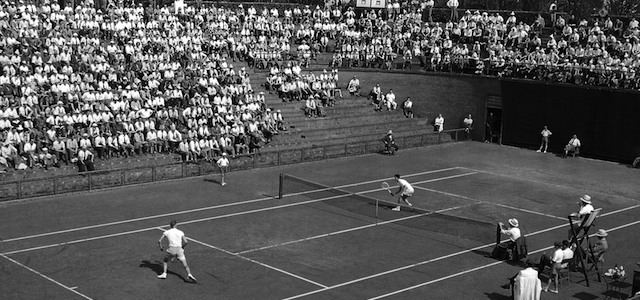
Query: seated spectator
[354, 86]
[311, 109]
[572, 147]
[241, 144]
[9, 155]
[407, 108]
[46, 159]
[85, 160]
[389, 143]
[390, 100]
[555, 263]
[60, 150]
[183, 150]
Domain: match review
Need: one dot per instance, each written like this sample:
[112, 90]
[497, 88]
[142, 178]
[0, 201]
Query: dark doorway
[493, 125]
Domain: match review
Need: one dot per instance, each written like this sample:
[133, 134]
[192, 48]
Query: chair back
[521, 248]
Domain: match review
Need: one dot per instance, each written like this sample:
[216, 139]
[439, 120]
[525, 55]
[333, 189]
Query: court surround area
[245, 243]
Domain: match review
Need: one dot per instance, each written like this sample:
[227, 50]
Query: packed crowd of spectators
[126, 80]
[82, 82]
[601, 52]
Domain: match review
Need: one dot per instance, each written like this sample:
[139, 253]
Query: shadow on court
[496, 296]
[212, 180]
[158, 268]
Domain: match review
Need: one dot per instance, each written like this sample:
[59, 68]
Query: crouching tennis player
[177, 241]
[405, 190]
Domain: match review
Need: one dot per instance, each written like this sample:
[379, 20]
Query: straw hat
[513, 222]
[586, 199]
[601, 233]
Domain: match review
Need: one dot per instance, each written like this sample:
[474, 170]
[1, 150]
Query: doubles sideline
[216, 217]
[203, 208]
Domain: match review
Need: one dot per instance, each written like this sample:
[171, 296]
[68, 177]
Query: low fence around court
[94, 180]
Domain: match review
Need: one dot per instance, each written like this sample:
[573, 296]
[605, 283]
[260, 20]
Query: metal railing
[94, 180]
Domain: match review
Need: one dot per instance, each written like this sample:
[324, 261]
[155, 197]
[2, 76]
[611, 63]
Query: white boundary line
[448, 256]
[214, 217]
[491, 203]
[482, 267]
[73, 289]
[205, 208]
[253, 261]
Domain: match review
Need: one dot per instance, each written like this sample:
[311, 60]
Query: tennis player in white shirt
[405, 190]
[177, 241]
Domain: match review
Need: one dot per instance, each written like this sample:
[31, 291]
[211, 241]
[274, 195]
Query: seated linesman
[573, 147]
[508, 249]
[389, 144]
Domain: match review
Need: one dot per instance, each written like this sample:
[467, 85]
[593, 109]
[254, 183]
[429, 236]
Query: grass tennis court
[245, 243]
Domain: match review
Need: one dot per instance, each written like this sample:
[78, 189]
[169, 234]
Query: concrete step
[100, 164]
[341, 104]
[295, 135]
[404, 138]
[368, 110]
[340, 121]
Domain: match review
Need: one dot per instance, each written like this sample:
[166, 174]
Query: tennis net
[366, 206]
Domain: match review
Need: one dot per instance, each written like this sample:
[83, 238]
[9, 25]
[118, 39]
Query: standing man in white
[223, 164]
[439, 123]
[177, 241]
[546, 133]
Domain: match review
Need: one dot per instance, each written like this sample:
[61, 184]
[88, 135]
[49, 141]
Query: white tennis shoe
[397, 208]
[162, 276]
[192, 278]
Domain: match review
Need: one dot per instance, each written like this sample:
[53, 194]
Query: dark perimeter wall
[453, 96]
[605, 120]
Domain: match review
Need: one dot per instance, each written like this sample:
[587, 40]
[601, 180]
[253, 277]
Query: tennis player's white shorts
[175, 252]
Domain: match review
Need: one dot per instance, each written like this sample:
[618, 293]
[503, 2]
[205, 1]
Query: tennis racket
[386, 187]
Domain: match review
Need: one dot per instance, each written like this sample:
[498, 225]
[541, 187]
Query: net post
[376, 211]
[280, 185]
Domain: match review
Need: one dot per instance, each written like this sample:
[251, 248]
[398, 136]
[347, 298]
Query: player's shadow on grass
[496, 296]
[212, 180]
[158, 268]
